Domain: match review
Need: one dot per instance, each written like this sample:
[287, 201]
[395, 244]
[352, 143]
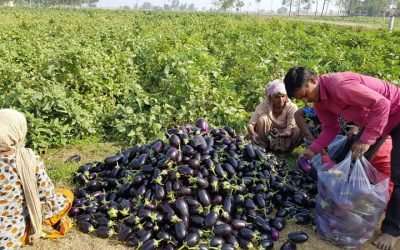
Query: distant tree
[300, 5]
[146, 6]
[288, 3]
[229, 4]
[282, 10]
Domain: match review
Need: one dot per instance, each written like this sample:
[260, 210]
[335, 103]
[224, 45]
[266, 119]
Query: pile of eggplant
[200, 188]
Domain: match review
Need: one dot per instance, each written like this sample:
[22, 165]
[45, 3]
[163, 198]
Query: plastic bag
[352, 197]
[339, 148]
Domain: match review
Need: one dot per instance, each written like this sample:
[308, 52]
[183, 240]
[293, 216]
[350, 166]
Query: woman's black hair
[295, 78]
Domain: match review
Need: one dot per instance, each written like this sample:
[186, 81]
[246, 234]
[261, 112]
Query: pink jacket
[370, 103]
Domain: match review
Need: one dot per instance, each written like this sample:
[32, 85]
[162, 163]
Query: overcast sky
[251, 5]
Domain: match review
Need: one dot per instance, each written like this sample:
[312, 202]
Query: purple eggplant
[202, 182]
[157, 146]
[149, 245]
[162, 235]
[220, 171]
[278, 223]
[229, 169]
[247, 234]
[173, 154]
[303, 218]
[123, 232]
[304, 164]
[148, 169]
[159, 192]
[193, 203]
[233, 162]
[249, 204]
[231, 239]
[262, 224]
[112, 160]
[298, 237]
[85, 227]
[228, 203]
[192, 239]
[95, 185]
[210, 219]
[197, 220]
[182, 207]
[174, 141]
[183, 191]
[274, 234]
[75, 211]
[169, 246]
[139, 161]
[217, 199]
[217, 242]
[195, 163]
[141, 190]
[198, 142]
[180, 231]
[202, 125]
[222, 229]
[260, 201]
[267, 244]
[249, 150]
[185, 170]
[238, 224]
[144, 235]
[168, 186]
[104, 232]
[177, 185]
[188, 150]
[204, 198]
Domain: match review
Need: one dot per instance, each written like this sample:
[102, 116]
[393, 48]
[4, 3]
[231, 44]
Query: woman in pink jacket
[370, 103]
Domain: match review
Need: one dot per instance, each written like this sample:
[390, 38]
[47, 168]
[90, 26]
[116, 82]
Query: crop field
[92, 82]
[127, 76]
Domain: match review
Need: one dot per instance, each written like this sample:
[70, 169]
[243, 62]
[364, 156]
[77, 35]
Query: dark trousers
[391, 223]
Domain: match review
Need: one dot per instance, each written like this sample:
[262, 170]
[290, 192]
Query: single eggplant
[104, 232]
[217, 242]
[298, 237]
[204, 198]
[85, 227]
[180, 231]
[210, 219]
[192, 239]
[222, 229]
[182, 207]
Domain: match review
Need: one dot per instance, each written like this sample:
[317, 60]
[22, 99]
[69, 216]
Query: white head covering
[13, 130]
[275, 87]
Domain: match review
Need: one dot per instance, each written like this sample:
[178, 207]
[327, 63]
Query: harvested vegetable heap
[201, 188]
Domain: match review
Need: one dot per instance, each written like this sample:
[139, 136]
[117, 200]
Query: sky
[251, 5]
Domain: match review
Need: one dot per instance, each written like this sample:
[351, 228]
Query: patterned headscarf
[13, 130]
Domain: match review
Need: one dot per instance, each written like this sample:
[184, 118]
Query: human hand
[254, 137]
[308, 154]
[274, 132]
[359, 149]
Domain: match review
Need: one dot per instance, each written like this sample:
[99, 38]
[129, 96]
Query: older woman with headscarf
[30, 207]
[272, 125]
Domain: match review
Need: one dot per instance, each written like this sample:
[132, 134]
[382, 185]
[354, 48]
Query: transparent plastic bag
[351, 199]
[339, 148]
